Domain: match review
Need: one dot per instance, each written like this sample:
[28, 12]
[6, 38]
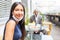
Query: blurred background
[49, 9]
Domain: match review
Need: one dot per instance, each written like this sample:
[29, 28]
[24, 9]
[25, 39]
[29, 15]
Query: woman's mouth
[19, 16]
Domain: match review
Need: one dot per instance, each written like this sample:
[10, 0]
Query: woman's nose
[20, 12]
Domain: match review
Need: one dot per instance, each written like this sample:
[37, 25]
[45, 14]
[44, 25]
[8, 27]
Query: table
[31, 29]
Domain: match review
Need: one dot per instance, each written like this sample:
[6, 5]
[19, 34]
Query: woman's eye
[17, 10]
[21, 9]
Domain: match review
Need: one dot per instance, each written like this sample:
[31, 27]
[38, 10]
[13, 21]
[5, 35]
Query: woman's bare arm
[10, 30]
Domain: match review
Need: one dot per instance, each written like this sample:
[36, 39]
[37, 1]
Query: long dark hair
[22, 22]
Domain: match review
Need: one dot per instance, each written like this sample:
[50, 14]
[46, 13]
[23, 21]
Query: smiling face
[18, 12]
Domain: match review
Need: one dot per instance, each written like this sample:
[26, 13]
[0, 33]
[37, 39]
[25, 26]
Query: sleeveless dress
[17, 32]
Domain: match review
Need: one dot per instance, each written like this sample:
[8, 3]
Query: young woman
[15, 26]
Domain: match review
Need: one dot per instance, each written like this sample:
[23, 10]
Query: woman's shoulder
[10, 25]
[11, 22]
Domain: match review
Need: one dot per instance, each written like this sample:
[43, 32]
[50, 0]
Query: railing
[54, 18]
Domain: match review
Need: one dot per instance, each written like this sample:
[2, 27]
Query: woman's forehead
[19, 6]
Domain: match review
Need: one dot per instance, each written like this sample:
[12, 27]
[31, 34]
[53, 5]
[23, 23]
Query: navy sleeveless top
[17, 32]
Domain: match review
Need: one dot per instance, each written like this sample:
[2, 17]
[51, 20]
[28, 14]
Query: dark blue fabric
[17, 33]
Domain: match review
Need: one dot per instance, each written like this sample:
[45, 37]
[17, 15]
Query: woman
[15, 28]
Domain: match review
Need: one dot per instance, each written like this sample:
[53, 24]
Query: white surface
[45, 28]
[47, 37]
[32, 27]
